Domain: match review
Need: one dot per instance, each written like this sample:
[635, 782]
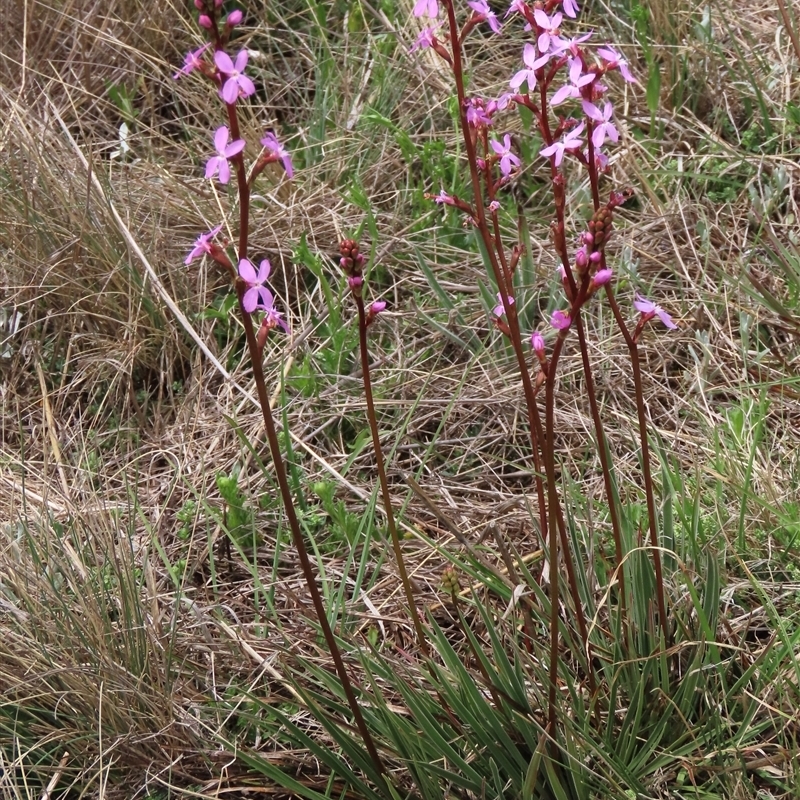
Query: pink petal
[250, 299]
[212, 165]
[241, 60]
[230, 91]
[220, 139]
[247, 271]
[234, 148]
[264, 270]
[592, 111]
[541, 18]
[223, 62]
[246, 86]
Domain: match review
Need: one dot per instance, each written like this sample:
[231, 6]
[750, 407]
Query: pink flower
[507, 159]
[499, 309]
[649, 310]
[571, 44]
[426, 8]
[605, 128]
[377, 307]
[257, 295]
[576, 82]
[481, 8]
[532, 63]
[270, 141]
[444, 198]
[237, 83]
[219, 162]
[559, 320]
[549, 25]
[426, 39]
[537, 343]
[568, 143]
[571, 8]
[615, 61]
[202, 245]
[192, 61]
[500, 104]
[476, 113]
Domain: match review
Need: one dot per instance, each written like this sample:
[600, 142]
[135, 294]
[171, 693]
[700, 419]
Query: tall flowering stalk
[557, 75]
[352, 263]
[256, 301]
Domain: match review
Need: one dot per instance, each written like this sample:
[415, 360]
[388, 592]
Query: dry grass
[111, 665]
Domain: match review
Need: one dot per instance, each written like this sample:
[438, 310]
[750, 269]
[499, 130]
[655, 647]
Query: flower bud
[537, 343]
[218, 3]
[377, 307]
[199, 4]
[602, 277]
[234, 18]
[581, 259]
[204, 21]
[355, 282]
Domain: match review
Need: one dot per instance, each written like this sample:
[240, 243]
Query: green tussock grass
[156, 638]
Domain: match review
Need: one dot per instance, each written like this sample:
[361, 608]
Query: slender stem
[633, 349]
[606, 467]
[280, 467]
[387, 498]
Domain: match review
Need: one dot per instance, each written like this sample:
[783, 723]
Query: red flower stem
[280, 467]
[633, 350]
[387, 498]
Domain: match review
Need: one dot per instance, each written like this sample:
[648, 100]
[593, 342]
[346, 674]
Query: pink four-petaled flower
[615, 61]
[604, 128]
[577, 80]
[481, 7]
[568, 143]
[219, 163]
[651, 309]
[202, 244]
[236, 84]
[548, 38]
[507, 159]
[532, 63]
[257, 295]
[270, 141]
[426, 39]
[192, 61]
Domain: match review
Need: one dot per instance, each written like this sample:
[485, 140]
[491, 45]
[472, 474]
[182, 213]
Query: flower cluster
[557, 71]
[228, 74]
[352, 262]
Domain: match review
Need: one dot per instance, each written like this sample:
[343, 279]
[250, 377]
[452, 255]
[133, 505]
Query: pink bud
[218, 3]
[234, 18]
[198, 4]
[602, 277]
[494, 206]
[355, 281]
[581, 259]
[204, 21]
[595, 257]
[480, 163]
[377, 307]
[587, 238]
[537, 342]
